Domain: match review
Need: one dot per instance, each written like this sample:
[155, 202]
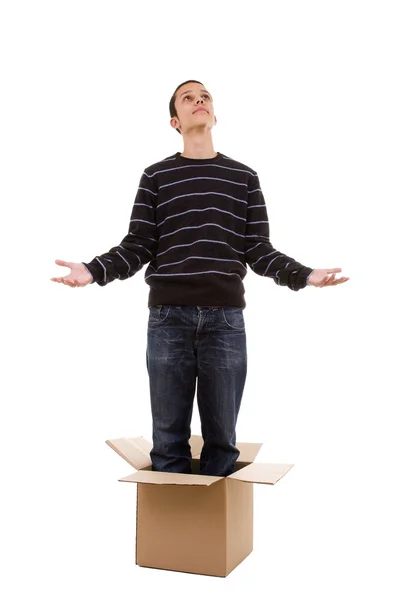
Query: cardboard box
[194, 523]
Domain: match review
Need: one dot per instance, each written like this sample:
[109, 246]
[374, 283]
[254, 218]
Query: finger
[337, 281]
[327, 280]
[63, 263]
[337, 270]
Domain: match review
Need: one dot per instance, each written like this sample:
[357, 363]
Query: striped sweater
[198, 223]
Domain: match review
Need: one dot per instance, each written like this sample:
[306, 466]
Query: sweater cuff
[95, 270]
[311, 270]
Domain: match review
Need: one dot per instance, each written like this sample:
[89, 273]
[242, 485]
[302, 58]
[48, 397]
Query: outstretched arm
[262, 257]
[266, 261]
[136, 249]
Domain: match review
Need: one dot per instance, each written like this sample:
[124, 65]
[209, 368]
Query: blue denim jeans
[185, 345]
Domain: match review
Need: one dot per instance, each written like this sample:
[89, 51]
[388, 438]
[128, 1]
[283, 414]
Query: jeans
[186, 344]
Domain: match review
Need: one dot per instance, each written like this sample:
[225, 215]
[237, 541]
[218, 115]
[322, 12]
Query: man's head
[191, 107]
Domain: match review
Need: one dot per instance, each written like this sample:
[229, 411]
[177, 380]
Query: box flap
[261, 473]
[164, 478]
[136, 451]
[196, 444]
[248, 451]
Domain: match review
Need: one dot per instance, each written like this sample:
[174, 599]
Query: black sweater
[197, 222]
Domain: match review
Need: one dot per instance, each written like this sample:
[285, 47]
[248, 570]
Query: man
[198, 218]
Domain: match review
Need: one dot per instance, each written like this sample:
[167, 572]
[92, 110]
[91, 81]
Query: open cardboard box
[194, 523]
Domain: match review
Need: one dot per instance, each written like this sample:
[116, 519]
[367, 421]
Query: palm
[79, 276]
[325, 277]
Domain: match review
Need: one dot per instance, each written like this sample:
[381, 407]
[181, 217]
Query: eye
[187, 97]
[207, 96]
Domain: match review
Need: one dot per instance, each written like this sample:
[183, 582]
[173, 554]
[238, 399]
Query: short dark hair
[172, 108]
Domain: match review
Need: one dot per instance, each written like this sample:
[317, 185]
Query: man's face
[194, 107]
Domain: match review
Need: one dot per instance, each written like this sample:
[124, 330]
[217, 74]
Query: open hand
[325, 277]
[78, 277]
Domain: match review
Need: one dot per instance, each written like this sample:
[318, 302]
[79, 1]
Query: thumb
[63, 263]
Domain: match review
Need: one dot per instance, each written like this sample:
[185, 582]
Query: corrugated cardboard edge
[165, 478]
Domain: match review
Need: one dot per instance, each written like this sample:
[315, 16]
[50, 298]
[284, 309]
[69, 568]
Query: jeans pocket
[158, 314]
[233, 317]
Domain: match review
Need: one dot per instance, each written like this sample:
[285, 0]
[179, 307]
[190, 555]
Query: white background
[307, 94]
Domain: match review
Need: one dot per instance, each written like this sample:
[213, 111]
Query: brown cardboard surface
[196, 444]
[182, 528]
[162, 478]
[248, 451]
[194, 523]
[239, 518]
[134, 450]
[261, 473]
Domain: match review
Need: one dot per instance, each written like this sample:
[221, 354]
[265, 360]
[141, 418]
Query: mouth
[200, 110]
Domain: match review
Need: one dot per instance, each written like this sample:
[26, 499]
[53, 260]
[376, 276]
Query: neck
[198, 145]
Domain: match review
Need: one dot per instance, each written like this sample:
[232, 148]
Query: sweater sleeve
[261, 256]
[140, 244]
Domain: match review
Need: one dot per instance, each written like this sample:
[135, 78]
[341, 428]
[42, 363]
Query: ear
[174, 123]
[215, 120]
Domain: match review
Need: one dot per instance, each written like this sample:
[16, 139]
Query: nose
[200, 100]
